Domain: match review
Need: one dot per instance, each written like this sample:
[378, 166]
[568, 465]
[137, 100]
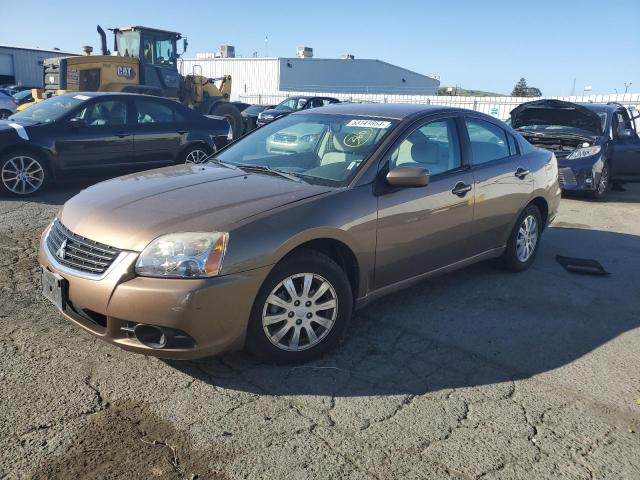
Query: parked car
[293, 104]
[101, 134]
[8, 105]
[273, 252]
[596, 144]
[24, 96]
[250, 115]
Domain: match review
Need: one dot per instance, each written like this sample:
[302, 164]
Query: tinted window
[104, 112]
[157, 112]
[434, 146]
[488, 141]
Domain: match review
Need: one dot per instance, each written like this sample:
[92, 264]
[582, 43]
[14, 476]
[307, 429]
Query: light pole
[587, 88]
[626, 86]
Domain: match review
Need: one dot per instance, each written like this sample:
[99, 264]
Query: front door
[503, 183]
[425, 228]
[99, 138]
[626, 148]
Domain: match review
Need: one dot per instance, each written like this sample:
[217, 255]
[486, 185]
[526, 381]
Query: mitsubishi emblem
[61, 253]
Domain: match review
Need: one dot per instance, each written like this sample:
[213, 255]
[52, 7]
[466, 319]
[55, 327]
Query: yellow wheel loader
[144, 60]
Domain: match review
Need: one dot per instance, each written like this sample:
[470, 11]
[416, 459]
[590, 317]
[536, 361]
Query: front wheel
[22, 173]
[5, 114]
[302, 309]
[604, 184]
[524, 240]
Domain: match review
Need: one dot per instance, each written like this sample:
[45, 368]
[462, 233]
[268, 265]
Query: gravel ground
[477, 374]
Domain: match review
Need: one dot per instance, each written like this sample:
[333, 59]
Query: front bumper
[579, 175]
[214, 312]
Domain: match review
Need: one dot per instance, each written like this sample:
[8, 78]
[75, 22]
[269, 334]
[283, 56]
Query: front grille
[566, 177]
[77, 252]
[285, 138]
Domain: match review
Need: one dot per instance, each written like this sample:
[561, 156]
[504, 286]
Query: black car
[596, 145]
[101, 134]
[24, 96]
[293, 104]
[250, 115]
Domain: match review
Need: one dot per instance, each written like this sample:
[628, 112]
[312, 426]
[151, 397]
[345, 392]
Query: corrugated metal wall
[249, 76]
[27, 64]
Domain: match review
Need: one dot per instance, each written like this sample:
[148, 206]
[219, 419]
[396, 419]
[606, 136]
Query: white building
[23, 66]
[269, 80]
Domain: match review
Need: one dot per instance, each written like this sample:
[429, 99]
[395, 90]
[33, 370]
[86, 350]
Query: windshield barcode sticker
[369, 123]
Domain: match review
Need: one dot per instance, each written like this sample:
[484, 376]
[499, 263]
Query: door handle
[122, 135]
[522, 172]
[461, 189]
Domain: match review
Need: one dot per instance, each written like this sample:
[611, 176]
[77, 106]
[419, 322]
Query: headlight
[183, 255]
[309, 138]
[584, 152]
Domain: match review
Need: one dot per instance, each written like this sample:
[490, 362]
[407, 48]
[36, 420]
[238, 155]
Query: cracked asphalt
[476, 374]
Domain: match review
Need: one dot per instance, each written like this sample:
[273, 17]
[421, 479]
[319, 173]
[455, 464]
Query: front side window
[488, 141]
[320, 149]
[149, 111]
[104, 112]
[158, 50]
[434, 146]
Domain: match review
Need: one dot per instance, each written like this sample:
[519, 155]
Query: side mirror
[77, 122]
[408, 177]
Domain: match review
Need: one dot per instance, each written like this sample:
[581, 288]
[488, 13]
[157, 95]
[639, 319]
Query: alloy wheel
[22, 175]
[300, 312]
[527, 239]
[604, 180]
[196, 156]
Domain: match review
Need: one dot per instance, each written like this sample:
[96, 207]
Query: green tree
[521, 89]
[533, 92]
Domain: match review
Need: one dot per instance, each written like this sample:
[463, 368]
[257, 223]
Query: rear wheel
[302, 309]
[232, 115]
[522, 247]
[197, 154]
[22, 173]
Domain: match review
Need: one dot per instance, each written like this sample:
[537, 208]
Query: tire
[196, 154]
[273, 329]
[604, 183]
[524, 240]
[232, 115]
[23, 173]
[5, 114]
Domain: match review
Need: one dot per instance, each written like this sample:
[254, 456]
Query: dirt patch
[126, 440]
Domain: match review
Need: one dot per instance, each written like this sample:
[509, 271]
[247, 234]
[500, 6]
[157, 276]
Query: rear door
[159, 131]
[422, 229]
[100, 140]
[626, 148]
[503, 183]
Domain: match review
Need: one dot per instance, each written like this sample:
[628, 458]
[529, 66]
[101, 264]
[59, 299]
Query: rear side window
[488, 141]
[156, 112]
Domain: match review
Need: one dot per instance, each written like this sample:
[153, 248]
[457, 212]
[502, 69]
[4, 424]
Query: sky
[484, 44]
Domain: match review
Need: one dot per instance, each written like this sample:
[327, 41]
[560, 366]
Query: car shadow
[54, 194]
[629, 194]
[478, 326]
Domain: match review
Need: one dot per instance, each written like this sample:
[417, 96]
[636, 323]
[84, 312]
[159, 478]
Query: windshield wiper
[217, 161]
[270, 170]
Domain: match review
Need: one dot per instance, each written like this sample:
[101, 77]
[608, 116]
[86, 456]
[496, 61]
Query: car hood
[129, 212]
[556, 112]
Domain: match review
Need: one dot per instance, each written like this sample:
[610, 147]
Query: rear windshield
[319, 149]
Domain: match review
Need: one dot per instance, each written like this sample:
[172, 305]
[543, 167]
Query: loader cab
[157, 52]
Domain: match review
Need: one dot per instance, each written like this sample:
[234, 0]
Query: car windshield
[319, 149]
[292, 104]
[254, 109]
[51, 109]
[22, 95]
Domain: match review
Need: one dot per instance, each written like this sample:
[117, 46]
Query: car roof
[397, 111]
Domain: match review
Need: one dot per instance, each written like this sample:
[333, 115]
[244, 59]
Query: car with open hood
[596, 145]
[272, 250]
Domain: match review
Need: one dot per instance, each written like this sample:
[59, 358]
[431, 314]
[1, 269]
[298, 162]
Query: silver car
[8, 105]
